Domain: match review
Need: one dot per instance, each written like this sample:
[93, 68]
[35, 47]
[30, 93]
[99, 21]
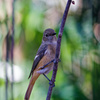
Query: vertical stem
[58, 50]
[6, 67]
[12, 48]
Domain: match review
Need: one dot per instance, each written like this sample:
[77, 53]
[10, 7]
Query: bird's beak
[54, 34]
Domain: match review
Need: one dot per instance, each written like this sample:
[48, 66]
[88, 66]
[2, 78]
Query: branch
[12, 47]
[6, 67]
[55, 67]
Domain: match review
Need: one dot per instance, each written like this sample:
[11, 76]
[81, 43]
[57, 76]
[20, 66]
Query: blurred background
[78, 76]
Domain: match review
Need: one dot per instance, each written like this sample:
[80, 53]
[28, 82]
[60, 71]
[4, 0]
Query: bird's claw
[51, 83]
[57, 60]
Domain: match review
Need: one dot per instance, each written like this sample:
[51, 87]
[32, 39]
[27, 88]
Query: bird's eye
[47, 35]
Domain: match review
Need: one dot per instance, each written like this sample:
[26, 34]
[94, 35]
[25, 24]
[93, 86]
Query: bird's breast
[51, 50]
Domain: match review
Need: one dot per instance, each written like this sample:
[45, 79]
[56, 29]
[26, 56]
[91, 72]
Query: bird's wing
[38, 57]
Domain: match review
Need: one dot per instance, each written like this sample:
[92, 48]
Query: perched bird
[45, 54]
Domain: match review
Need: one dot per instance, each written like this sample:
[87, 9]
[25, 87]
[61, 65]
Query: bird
[43, 61]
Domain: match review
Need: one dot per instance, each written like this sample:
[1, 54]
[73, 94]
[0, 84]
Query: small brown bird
[45, 54]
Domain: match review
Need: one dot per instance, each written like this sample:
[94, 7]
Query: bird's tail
[31, 84]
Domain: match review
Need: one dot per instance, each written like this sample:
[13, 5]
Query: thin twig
[12, 48]
[58, 50]
[6, 67]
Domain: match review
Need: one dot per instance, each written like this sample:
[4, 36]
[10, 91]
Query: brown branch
[12, 47]
[6, 67]
[55, 67]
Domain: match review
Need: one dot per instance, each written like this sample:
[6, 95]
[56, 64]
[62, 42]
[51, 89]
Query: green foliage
[1, 82]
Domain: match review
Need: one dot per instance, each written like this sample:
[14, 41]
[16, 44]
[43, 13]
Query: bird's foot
[56, 61]
[51, 83]
[59, 60]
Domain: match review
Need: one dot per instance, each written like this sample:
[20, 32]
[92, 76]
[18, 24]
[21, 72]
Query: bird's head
[49, 35]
